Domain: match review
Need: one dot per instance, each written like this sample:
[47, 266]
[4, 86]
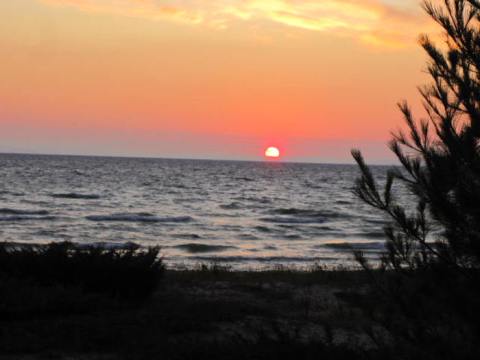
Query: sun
[272, 152]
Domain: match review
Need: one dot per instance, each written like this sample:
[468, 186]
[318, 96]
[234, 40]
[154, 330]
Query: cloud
[384, 23]
[150, 9]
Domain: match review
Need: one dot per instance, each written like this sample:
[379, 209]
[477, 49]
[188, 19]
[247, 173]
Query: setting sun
[272, 152]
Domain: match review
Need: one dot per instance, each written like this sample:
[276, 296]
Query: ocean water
[247, 215]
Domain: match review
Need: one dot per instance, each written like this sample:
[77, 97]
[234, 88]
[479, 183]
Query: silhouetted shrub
[130, 273]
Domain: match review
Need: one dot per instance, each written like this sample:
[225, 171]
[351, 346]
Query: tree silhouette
[439, 155]
[429, 302]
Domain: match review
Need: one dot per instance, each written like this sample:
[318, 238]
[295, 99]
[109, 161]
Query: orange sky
[223, 80]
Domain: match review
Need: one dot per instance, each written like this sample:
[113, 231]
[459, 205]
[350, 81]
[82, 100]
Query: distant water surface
[244, 214]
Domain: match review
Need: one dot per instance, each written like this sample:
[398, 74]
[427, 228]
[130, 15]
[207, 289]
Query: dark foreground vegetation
[60, 301]
[129, 273]
[212, 312]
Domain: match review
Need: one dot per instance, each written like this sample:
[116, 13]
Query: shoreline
[197, 260]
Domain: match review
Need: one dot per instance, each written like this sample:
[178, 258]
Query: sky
[218, 79]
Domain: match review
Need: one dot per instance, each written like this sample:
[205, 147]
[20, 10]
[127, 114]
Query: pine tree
[439, 155]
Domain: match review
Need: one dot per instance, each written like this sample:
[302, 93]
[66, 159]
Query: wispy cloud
[151, 9]
[386, 23]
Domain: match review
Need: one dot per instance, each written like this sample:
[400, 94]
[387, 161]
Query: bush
[130, 273]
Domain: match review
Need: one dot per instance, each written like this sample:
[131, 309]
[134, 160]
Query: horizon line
[192, 159]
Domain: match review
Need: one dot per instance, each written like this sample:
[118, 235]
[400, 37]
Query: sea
[242, 215]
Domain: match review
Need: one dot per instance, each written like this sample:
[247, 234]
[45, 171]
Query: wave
[343, 202]
[263, 259]
[306, 213]
[263, 229]
[232, 206]
[219, 214]
[79, 172]
[370, 235]
[312, 186]
[293, 220]
[139, 217]
[203, 248]
[262, 200]
[247, 237]
[14, 218]
[129, 245]
[6, 192]
[376, 221]
[76, 196]
[101, 244]
[324, 228]
[244, 178]
[8, 211]
[349, 246]
[292, 237]
[188, 236]
[337, 233]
